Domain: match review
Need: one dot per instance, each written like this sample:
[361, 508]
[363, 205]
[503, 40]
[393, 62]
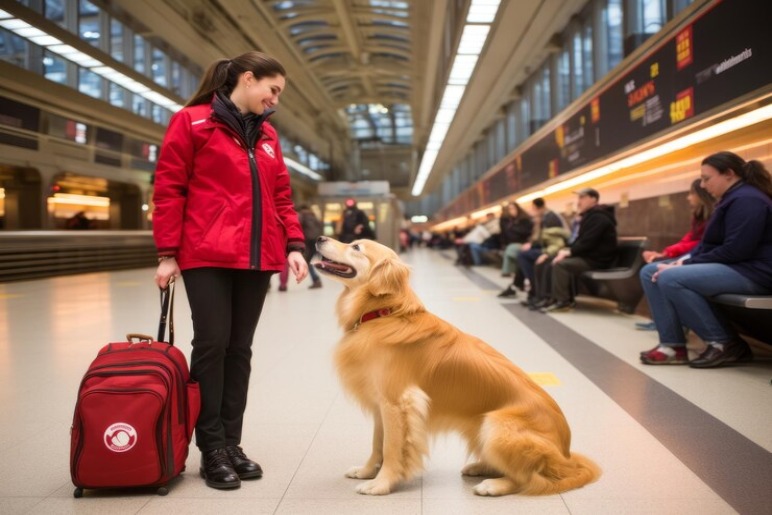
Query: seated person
[544, 218]
[595, 248]
[472, 245]
[734, 256]
[701, 204]
[516, 228]
[534, 264]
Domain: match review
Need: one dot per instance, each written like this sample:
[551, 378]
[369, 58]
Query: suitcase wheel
[78, 493]
[162, 490]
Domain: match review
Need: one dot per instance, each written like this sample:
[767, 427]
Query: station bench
[619, 283]
[751, 314]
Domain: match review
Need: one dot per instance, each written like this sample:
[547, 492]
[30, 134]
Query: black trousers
[225, 306]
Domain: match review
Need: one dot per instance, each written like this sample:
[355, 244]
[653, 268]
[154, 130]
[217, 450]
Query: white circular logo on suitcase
[120, 437]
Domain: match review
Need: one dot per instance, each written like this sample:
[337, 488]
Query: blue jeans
[679, 299]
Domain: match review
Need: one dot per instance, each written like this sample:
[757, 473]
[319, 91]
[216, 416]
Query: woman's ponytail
[216, 76]
[758, 176]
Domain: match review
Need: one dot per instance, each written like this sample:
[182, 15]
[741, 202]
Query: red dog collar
[370, 315]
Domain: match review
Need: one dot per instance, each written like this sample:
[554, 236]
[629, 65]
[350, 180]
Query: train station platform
[669, 439]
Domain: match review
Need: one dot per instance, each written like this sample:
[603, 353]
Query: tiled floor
[637, 422]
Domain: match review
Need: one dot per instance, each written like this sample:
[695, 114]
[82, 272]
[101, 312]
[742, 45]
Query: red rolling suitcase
[135, 414]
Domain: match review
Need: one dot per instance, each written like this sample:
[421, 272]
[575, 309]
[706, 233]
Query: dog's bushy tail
[533, 459]
[562, 475]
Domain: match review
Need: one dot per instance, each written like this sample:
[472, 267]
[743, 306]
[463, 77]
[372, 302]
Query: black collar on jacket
[248, 127]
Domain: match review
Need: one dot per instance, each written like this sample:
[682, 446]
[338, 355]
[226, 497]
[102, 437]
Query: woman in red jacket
[701, 204]
[224, 219]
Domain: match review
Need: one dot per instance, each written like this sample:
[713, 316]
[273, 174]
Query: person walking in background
[701, 205]
[354, 224]
[312, 229]
[594, 248]
[734, 256]
[224, 219]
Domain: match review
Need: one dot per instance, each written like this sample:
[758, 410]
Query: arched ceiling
[345, 53]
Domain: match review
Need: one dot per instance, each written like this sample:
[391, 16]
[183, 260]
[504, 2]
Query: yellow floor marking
[544, 378]
[4, 296]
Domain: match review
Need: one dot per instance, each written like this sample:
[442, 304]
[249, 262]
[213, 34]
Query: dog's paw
[362, 472]
[495, 487]
[374, 487]
[479, 469]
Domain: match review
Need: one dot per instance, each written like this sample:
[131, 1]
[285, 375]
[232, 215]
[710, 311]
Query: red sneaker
[657, 356]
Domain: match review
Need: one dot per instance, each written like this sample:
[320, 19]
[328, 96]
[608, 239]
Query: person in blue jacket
[734, 256]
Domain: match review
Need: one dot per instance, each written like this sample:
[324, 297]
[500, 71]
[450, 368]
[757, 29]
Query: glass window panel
[612, 19]
[118, 95]
[652, 15]
[54, 67]
[139, 105]
[54, 11]
[89, 83]
[139, 53]
[578, 66]
[88, 23]
[13, 48]
[680, 5]
[158, 67]
[587, 59]
[563, 93]
[176, 69]
[116, 40]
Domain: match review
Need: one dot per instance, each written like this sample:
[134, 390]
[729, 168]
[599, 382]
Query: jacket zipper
[257, 212]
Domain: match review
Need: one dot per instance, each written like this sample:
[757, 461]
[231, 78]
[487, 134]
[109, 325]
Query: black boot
[217, 470]
[244, 467]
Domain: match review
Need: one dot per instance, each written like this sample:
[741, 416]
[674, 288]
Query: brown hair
[702, 212]
[752, 172]
[223, 75]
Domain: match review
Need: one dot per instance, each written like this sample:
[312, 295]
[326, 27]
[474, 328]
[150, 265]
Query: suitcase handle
[130, 337]
[167, 313]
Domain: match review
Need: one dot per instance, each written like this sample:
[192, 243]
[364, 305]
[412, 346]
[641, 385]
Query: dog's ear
[387, 277]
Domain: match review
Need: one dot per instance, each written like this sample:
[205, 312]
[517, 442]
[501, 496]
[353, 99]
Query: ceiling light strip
[481, 14]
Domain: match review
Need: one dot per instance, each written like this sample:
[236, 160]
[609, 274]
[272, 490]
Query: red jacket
[213, 208]
[688, 242]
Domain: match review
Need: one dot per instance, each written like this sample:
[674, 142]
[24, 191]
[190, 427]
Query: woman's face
[693, 199]
[262, 94]
[715, 182]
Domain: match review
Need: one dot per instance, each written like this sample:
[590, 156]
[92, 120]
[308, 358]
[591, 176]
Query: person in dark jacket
[594, 248]
[734, 256]
[516, 230]
[312, 229]
[354, 223]
[224, 219]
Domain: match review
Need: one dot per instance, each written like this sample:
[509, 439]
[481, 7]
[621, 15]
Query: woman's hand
[167, 270]
[298, 265]
[663, 267]
[651, 255]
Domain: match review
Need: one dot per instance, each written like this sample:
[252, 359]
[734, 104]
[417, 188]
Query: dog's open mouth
[333, 267]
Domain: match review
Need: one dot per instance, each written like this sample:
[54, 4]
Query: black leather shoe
[217, 470]
[509, 292]
[559, 307]
[712, 356]
[244, 467]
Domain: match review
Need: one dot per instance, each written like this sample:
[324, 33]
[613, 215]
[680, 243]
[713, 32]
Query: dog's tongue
[331, 265]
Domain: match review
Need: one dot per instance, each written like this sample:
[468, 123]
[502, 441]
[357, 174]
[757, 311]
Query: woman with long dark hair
[224, 220]
[701, 205]
[734, 256]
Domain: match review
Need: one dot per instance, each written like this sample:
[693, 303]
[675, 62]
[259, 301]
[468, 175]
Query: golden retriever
[417, 374]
